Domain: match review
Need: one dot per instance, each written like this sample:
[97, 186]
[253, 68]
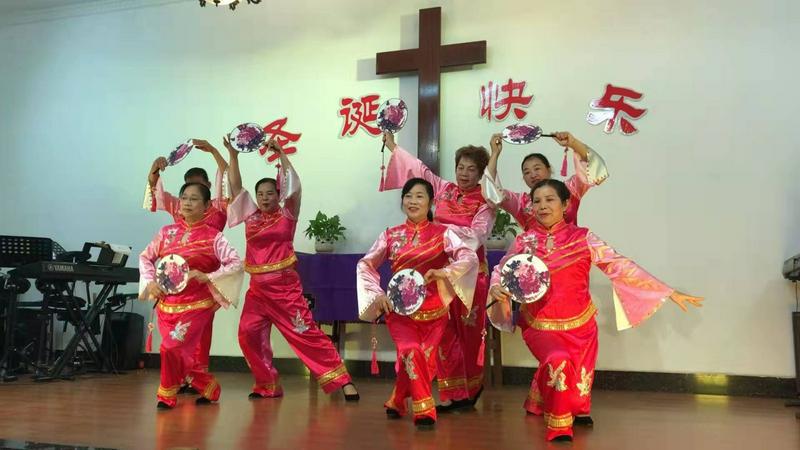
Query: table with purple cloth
[330, 278]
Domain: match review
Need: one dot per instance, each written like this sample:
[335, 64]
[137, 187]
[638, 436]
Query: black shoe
[477, 396]
[455, 405]
[202, 401]
[254, 396]
[424, 423]
[184, 389]
[192, 391]
[162, 405]
[351, 397]
[562, 438]
[584, 420]
[392, 413]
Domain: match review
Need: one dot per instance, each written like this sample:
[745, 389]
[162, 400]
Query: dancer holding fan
[191, 270]
[275, 295]
[442, 267]
[157, 198]
[459, 204]
[557, 313]
[590, 171]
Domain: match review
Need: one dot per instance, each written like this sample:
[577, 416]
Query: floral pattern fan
[523, 133]
[172, 273]
[248, 137]
[406, 291]
[392, 115]
[526, 277]
[180, 152]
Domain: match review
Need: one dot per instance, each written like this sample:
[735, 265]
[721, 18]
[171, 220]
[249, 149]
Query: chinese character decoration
[612, 109]
[274, 130]
[359, 113]
[501, 100]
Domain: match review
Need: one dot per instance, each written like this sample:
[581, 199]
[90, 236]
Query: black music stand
[16, 251]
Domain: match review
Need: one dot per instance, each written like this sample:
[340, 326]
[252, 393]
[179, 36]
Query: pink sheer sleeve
[226, 281]
[482, 223]
[241, 208]
[221, 196]
[368, 280]
[147, 263]
[291, 192]
[219, 186]
[588, 174]
[637, 294]
[462, 272]
[403, 166]
[510, 202]
[164, 200]
[499, 313]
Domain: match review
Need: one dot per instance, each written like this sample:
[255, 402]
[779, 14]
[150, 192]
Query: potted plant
[325, 231]
[503, 226]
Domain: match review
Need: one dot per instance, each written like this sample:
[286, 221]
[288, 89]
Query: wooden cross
[428, 61]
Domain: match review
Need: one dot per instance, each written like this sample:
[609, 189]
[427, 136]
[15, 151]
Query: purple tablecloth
[331, 279]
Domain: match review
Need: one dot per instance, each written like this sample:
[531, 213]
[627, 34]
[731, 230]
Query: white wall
[703, 196]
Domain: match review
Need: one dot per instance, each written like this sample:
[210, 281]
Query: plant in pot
[503, 226]
[325, 231]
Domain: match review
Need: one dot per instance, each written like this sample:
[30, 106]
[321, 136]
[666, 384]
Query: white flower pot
[323, 246]
[497, 242]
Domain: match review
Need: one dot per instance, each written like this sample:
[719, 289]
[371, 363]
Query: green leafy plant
[324, 228]
[504, 224]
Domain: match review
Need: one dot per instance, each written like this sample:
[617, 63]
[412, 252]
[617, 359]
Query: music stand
[16, 251]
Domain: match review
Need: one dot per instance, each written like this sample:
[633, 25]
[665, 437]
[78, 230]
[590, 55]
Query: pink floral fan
[172, 273]
[406, 291]
[526, 277]
[247, 137]
[392, 115]
[180, 152]
[523, 133]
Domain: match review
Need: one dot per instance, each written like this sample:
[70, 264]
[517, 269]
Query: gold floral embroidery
[534, 395]
[558, 379]
[399, 240]
[427, 352]
[585, 385]
[300, 326]
[179, 333]
[408, 361]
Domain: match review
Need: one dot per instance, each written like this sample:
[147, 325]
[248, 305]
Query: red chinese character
[488, 94]
[274, 130]
[612, 106]
[496, 96]
[513, 97]
[360, 113]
